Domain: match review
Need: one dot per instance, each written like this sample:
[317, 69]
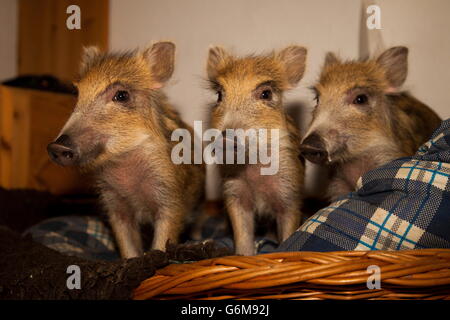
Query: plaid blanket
[404, 204]
[82, 236]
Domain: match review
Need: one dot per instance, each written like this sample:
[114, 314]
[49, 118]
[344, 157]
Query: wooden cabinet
[47, 46]
[29, 120]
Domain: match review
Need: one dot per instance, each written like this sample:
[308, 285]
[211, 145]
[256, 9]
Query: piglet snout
[313, 149]
[62, 151]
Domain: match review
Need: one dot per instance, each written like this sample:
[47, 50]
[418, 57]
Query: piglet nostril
[67, 154]
[52, 154]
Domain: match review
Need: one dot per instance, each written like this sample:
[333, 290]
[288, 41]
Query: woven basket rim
[343, 275]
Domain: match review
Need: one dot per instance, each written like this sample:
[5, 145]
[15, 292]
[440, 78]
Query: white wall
[249, 26]
[8, 39]
[423, 26]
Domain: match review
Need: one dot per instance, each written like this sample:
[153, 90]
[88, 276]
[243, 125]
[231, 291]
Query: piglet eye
[266, 95]
[360, 99]
[121, 96]
[219, 96]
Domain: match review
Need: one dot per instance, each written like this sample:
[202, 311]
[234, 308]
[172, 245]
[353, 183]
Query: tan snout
[78, 147]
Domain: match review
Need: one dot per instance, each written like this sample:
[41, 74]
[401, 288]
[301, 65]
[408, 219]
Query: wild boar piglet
[362, 119]
[249, 113]
[120, 130]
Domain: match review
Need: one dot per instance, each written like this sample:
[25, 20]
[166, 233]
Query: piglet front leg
[125, 227]
[243, 223]
[127, 236]
[167, 227]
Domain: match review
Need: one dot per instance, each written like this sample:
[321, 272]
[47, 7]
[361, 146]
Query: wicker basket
[412, 274]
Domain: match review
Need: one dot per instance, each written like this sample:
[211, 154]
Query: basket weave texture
[344, 275]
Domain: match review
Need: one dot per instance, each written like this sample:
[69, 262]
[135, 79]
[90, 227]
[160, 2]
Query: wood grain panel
[30, 119]
[6, 123]
[46, 46]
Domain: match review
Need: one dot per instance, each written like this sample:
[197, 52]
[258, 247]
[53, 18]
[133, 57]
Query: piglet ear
[394, 61]
[88, 55]
[293, 58]
[161, 60]
[331, 58]
[217, 58]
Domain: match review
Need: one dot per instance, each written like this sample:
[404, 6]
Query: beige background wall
[8, 38]
[248, 26]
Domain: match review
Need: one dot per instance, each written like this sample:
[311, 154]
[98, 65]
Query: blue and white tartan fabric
[404, 204]
[81, 236]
